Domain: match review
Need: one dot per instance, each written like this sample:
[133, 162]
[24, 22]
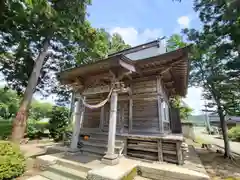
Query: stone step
[99, 149]
[38, 177]
[54, 176]
[72, 165]
[66, 172]
[140, 178]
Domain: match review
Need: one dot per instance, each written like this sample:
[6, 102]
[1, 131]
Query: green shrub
[32, 131]
[12, 161]
[41, 126]
[58, 123]
[5, 129]
[234, 134]
[36, 129]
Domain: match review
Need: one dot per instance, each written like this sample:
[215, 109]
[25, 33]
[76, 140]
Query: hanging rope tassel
[95, 106]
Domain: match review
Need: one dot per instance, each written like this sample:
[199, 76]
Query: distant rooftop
[138, 47]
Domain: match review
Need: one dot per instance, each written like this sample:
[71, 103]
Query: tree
[209, 72]
[40, 110]
[58, 122]
[215, 60]
[116, 43]
[30, 30]
[184, 109]
[174, 42]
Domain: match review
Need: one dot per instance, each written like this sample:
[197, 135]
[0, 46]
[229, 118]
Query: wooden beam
[127, 66]
[162, 67]
[159, 93]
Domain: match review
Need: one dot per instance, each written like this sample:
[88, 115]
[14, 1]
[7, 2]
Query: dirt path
[30, 151]
[217, 167]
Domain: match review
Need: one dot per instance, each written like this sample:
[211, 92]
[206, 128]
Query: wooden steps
[97, 144]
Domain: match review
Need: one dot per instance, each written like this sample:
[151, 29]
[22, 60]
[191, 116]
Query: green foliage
[185, 111]
[174, 42]
[5, 128]
[234, 134]
[9, 102]
[71, 39]
[12, 161]
[58, 123]
[215, 49]
[116, 43]
[32, 131]
[40, 110]
[36, 129]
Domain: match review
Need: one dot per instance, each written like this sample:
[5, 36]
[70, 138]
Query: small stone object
[184, 148]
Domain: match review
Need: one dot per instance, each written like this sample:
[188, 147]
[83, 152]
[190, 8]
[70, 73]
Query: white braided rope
[95, 106]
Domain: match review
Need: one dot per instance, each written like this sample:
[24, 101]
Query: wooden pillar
[102, 118]
[160, 150]
[122, 109]
[77, 119]
[160, 107]
[130, 110]
[179, 153]
[111, 158]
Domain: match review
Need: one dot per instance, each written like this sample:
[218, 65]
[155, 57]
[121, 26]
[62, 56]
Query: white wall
[146, 53]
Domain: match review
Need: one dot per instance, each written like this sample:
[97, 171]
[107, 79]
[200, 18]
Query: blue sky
[139, 21]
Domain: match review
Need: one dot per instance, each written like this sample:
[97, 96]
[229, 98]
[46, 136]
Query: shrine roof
[172, 66]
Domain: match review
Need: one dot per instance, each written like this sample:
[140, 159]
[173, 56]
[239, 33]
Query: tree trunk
[20, 121]
[224, 133]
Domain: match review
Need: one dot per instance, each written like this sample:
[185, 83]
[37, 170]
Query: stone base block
[73, 150]
[112, 159]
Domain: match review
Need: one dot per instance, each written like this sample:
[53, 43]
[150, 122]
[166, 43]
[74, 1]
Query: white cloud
[134, 37]
[194, 99]
[184, 21]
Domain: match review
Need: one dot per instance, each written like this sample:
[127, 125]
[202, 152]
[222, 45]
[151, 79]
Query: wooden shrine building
[123, 108]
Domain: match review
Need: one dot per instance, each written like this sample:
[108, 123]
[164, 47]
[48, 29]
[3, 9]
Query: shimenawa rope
[95, 106]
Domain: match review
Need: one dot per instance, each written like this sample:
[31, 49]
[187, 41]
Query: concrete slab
[96, 170]
[193, 161]
[67, 172]
[113, 172]
[141, 178]
[164, 170]
[90, 162]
